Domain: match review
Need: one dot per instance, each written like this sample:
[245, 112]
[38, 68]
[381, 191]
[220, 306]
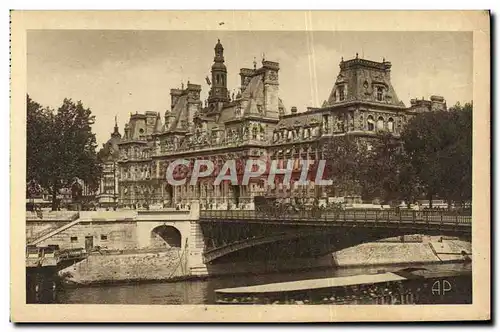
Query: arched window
[390, 125]
[254, 133]
[217, 79]
[380, 93]
[380, 123]
[371, 123]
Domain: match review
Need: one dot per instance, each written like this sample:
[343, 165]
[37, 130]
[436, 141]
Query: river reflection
[188, 292]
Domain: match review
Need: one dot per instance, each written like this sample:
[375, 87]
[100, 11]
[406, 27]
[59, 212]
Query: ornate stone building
[252, 124]
[109, 154]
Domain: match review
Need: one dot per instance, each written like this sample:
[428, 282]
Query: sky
[118, 72]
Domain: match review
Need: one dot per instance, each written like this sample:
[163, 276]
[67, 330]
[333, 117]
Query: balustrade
[347, 215]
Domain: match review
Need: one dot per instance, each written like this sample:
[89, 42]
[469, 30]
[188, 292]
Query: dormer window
[380, 93]
[341, 93]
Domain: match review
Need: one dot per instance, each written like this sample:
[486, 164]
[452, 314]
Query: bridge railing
[361, 215]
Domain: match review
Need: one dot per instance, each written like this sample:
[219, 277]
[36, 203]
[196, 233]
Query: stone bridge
[249, 233]
[210, 237]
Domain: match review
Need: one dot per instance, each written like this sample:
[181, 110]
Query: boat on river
[405, 286]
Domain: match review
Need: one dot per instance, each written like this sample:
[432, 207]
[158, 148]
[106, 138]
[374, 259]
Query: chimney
[245, 75]
[293, 110]
[174, 96]
[438, 103]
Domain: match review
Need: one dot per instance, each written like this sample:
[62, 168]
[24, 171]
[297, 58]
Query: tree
[38, 137]
[389, 175]
[345, 163]
[409, 186]
[382, 168]
[457, 184]
[439, 148]
[61, 146]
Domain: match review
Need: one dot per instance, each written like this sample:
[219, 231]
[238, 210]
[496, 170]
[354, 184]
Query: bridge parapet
[364, 215]
[143, 215]
[51, 215]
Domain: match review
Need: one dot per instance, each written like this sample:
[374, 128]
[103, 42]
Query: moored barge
[406, 286]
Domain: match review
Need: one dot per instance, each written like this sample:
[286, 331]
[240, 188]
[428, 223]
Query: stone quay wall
[134, 267]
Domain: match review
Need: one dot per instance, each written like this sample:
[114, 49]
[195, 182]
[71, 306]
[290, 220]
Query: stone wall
[451, 249]
[97, 268]
[35, 229]
[382, 253]
[112, 235]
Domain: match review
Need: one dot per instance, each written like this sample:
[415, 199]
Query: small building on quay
[254, 123]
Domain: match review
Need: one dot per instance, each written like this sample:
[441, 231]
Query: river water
[186, 292]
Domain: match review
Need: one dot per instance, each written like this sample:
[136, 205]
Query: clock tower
[218, 92]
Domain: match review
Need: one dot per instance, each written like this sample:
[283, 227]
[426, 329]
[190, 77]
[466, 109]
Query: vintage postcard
[250, 166]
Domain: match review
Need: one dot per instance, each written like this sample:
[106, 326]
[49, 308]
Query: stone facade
[254, 123]
[118, 235]
[108, 186]
[123, 230]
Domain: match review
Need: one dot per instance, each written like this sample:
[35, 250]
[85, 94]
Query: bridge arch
[231, 232]
[318, 243]
[166, 236]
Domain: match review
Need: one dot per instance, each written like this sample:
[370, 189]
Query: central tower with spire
[218, 92]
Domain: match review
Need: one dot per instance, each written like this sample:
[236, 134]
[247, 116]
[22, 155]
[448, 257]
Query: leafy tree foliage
[433, 157]
[61, 146]
[382, 168]
[345, 161]
[439, 146]
[389, 176]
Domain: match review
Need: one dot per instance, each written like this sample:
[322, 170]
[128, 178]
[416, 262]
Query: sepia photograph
[231, 168]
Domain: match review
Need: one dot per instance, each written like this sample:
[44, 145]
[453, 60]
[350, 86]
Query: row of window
[74, 239]
[341, 93]
[380, 124]
[298, 133]
[219, 79]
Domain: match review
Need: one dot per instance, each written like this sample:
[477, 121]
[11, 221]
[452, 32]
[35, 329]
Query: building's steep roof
[361, 78]
[301, 119]
[110, 150]
[226, 114]
[179, 109]
[254, 93]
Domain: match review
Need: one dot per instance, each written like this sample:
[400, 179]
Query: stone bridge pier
[174, 229]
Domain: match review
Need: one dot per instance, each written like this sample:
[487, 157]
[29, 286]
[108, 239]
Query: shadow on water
[43, 286]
